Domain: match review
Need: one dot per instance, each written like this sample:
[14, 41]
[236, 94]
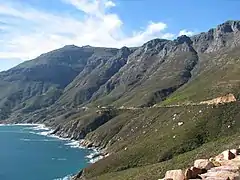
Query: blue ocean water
[27, 155]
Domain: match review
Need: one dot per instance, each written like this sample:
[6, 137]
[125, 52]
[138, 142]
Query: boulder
[174, 174]
[220, 175]
[228, 155]
[225, 155]
[236, 152]
[193, 173]
[222, 172]
[229, 168]
[188, 174]
[197, 171]
[203, 164]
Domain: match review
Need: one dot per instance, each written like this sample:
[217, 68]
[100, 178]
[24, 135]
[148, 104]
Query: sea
[29, 152]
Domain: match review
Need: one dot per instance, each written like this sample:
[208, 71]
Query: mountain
[141, 105]
[40, 82]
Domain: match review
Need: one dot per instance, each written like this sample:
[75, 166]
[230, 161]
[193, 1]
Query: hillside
[136, 104]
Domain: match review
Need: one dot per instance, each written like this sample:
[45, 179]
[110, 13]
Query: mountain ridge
[64, 88]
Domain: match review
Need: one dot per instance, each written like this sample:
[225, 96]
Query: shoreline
[44, 130]
[95, 155]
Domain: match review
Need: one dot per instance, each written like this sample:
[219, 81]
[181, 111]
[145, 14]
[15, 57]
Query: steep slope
[97, 72]
[160, 67]
[152, 72]
[163, 138]
[38, 83]
[67, 89]
[223, 37]
[145, 143]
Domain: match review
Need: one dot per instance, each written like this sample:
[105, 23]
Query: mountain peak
[155, 41]
[70, 46]
[229, 26]
[86, 46]
[182, 39]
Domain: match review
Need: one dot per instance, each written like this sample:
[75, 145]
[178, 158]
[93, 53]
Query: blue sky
[29, 28]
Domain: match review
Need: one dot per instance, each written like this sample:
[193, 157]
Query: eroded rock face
[203, 164]
[224, 35]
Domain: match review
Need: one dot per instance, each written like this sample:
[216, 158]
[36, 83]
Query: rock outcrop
[175, 175]
[221, 100]
[203, 164]
[225, 166]
[222, 173]
[193, 173]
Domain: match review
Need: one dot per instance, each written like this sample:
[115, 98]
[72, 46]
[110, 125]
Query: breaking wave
[41, 129]
[68, 177]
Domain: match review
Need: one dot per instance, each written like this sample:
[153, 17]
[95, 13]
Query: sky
[29, 28]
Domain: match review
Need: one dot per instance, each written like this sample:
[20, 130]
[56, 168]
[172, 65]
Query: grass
[182, 161]
[211, 83]
[153, 142]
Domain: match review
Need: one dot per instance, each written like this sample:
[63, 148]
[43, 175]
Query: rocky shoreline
[98, 154]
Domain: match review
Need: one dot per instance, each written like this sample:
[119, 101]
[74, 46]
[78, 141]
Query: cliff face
[224, 36]
[152, 72]
[68, 87]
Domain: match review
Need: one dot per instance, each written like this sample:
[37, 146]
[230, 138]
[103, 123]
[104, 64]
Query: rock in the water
[174, 174]
[203, 164]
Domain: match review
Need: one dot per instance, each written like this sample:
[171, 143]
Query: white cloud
[28, 31]
[155, 27]
[186, 32]
[109, 4]
[92, 7]
[168, 36]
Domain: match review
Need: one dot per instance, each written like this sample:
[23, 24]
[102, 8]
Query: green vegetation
[157, 171]
[219, 80]
[159, 140]
[68, 88]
